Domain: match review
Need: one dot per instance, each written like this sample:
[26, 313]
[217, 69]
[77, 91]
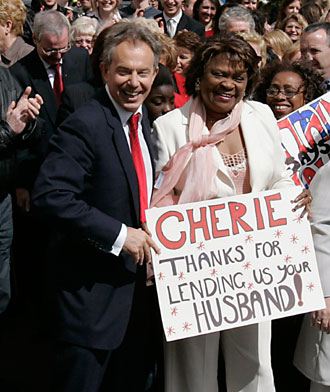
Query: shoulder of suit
[258, 107]
[175, 117]
[193, 22]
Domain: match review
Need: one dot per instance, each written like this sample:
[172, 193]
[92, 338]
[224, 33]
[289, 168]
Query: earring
[197, 85]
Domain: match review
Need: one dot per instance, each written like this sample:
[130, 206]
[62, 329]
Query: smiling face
[292, 8]
[160, 101]
[314, 47]
[183, 60]
[171, 7]
[107, 5]
[280, 104]
[293, 29]
[206, 12]
[130, 74]
[222, 86]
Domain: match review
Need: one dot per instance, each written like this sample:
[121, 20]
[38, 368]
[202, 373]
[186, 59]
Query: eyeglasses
[49, 52]
[287, 92]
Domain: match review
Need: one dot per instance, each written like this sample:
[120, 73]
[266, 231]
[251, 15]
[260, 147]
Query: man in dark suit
[47, 69]
[94, 187]
[175, 20]
[38, 70]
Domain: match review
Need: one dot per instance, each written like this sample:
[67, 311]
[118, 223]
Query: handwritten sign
[233, 261]
[305, 138]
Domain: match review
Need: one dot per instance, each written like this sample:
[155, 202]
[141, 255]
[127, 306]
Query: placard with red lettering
[305, 138]
[233, 261]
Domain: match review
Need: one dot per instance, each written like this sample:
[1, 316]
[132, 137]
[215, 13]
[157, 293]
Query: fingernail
[293, 210]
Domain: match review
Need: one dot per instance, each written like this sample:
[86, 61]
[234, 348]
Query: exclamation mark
[298, 285]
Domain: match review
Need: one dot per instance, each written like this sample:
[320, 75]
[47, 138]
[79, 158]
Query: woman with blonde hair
[279, 41]
[106, 11]
[293, 53]
[12, 19]
[293, 25]
[83, 31]
[258, 44]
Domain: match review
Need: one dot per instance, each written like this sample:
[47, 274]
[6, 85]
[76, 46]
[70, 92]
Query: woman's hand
[321, 318]
[304, 199]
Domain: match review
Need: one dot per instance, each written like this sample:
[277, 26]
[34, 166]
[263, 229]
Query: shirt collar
[176, 18]
[47, 65]
[124, 115]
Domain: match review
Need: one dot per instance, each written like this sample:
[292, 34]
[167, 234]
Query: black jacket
[10, 91]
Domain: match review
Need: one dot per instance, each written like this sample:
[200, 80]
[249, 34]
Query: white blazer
[312, 356]
[266, 157]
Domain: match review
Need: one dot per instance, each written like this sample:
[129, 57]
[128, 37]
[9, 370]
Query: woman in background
[187, 44]
[205, 11]
[83, 32]
[258, 44]
[288, 7]
[293, 25]
[106, 11]
[161, 97]
[279, 41]
[285, 87]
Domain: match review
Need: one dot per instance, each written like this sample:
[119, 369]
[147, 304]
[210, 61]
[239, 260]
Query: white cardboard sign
[233, 261]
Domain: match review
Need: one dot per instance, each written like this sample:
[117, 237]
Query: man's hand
[161, 25]
[23, 199]
[138, 244]
[24, 111]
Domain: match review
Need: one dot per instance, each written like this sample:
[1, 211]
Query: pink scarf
[202, 168]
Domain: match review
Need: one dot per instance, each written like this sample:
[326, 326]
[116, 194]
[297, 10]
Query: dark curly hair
[312, 80]
[235, 47]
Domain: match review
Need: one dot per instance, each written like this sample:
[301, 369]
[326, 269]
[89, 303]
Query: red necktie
[139, 164]
[58, 83]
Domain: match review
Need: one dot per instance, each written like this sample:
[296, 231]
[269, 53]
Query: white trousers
[315, 387]
[191, 365]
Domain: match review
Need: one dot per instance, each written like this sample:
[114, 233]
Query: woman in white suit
[312, 356]
[223, 146]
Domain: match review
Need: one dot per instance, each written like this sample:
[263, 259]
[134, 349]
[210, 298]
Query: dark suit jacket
[87, 187]
[190, 24]
[30, 71]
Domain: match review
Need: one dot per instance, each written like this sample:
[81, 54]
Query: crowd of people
[98, 97]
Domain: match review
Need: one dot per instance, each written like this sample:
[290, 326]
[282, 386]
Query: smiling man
[315, 46]
[94, 187]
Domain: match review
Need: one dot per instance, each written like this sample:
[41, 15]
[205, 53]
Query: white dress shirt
[124, 116]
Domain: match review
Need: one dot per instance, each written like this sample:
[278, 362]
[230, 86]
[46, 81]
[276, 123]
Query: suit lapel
[256, 148]
[182, 23]
[147, 138]
[41, 84]
[123, 151]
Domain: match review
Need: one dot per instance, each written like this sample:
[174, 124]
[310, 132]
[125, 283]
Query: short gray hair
[83, 26]
[130, 30]
[50, 22]
[319, 26]
[237, 13]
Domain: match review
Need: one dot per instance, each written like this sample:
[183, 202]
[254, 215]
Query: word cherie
[209, 221]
